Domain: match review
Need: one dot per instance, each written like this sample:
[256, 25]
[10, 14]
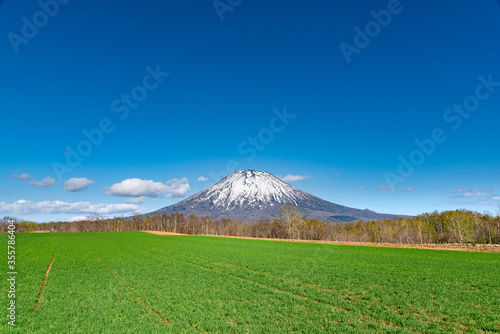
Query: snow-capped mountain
[250, 194]
[249, 188]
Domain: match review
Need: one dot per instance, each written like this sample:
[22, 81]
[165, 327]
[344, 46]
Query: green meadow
[134, 282]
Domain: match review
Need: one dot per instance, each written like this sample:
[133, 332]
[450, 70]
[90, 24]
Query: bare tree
[292, 217]
[96, 220]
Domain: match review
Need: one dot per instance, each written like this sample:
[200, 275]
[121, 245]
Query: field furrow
[45, 280]
[163, 320]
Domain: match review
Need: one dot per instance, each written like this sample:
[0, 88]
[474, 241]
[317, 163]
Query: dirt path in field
[477, 248]
[45, 280]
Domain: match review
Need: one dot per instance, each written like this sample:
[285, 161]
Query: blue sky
[175, 93]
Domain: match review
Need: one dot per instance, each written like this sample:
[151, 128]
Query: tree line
[458, 226]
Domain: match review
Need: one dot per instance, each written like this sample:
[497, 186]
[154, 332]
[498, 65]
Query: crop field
[134, 282]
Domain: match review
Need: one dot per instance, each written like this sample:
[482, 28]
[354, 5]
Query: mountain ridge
[250, 194]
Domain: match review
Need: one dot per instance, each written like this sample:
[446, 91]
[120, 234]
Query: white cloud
[409, 189]
[23, 176]
[47, 182]
[177, 188]
[141, 211]
[202, 178]
[137, 187]
[361, 187]
[385, 187]
[482, 196]
[458, 191]
[77, 184]
[77, 218]
[136, 200]
[293, 178]
[28, 207]
[473, 195]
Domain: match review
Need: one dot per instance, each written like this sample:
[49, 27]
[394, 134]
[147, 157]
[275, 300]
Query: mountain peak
[250, 188]
[250, 172]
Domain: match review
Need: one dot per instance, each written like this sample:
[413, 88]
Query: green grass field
[134, 282]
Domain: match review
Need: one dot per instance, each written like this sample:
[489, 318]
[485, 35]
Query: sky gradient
[124, 107]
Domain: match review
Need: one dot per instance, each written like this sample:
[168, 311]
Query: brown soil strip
[477, 248]
[164, 233]
[44, 280]
[165, 321]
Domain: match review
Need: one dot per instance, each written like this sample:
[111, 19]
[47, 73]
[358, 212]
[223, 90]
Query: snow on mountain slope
[250, 194]
[250, 188]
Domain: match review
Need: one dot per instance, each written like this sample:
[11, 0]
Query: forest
[457, 227]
